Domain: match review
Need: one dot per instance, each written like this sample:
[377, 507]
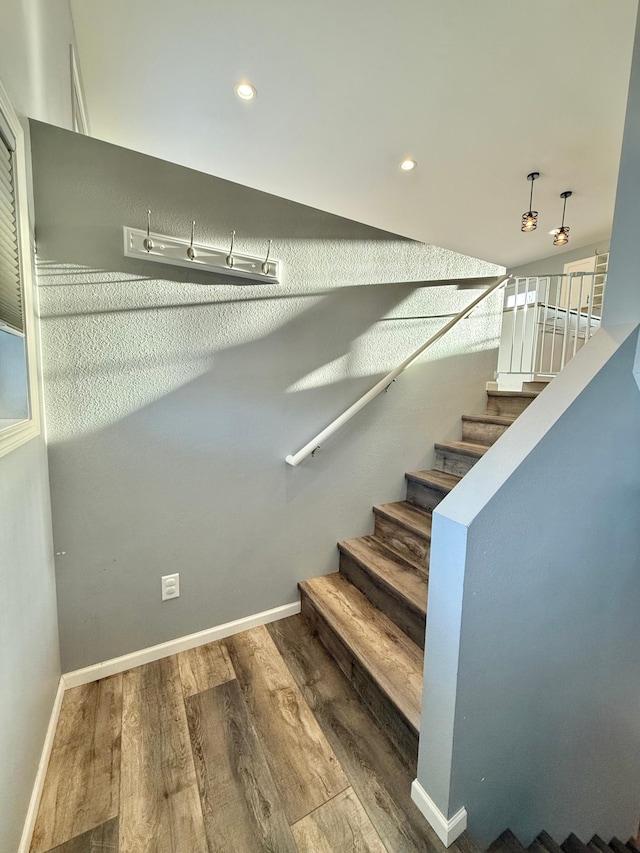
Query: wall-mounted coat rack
[148, 246]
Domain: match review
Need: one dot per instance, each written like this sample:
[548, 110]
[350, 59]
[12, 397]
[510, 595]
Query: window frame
[12, 437]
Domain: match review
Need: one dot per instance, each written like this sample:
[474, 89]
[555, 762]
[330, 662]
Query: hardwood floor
[82, 787]
[255, 743]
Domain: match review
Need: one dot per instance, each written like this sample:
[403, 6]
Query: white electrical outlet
[170, 586]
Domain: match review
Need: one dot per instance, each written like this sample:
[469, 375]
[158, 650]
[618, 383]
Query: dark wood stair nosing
[517, 394]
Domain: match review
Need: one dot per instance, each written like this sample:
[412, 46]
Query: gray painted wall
[554, 264]
[34, 69]
[537, 564]
[532, 681]
[171, 405]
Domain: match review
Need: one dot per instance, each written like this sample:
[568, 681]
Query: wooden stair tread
[437, 479]
[411, 517]
[486, 418]
[389, 568]
[388, 655]
[466, 448]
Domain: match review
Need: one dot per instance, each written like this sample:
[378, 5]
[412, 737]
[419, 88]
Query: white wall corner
[636, 364]
[172, 647]
[447, 830]
[38, 785]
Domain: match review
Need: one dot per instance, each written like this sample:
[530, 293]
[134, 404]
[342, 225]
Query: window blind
[10, 286]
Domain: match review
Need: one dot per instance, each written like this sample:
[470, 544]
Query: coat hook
[191, 252]
[230, 255]
[265, 265]
[148, 242]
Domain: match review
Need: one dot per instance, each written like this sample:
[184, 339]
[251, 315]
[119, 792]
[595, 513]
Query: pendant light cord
[564, 210]
[531, 196]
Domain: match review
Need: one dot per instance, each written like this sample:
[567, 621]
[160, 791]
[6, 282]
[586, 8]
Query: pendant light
[530, 218]
[562, 235]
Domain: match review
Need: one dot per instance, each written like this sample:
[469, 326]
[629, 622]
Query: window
[19, 412]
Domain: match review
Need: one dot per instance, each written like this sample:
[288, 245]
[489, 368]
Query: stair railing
[312, 446]
[546, 320]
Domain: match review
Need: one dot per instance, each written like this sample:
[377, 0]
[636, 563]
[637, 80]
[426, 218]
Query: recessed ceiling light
[245, 91]
[408, 165]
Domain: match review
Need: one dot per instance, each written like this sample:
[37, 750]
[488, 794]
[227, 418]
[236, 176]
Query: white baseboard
[180, 644]
[120, 664]
[36, 793]
[447, 829]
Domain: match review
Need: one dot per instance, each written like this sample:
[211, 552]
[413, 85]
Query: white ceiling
[479, 93]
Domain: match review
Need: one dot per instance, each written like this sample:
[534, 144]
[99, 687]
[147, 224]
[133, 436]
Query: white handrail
[316, 442]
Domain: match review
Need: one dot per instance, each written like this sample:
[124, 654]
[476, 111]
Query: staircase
[371, 614]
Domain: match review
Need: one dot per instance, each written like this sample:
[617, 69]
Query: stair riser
[397, 608]
[480, 433]
[399, 731]
[405, 542]
[454, 463]
[423, 496]
[508, 405]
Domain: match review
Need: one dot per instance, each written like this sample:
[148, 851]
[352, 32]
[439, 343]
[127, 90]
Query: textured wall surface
[34, 69]
[531, 675]
[171, 404]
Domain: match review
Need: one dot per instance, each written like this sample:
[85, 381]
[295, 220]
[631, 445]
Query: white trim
[36, 793]
[24, 431]
[180, 644]
[116, 665]
[447, 830]
[80, 117]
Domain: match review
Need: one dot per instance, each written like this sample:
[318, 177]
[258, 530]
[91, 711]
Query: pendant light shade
[530, 218]
[562, 235]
